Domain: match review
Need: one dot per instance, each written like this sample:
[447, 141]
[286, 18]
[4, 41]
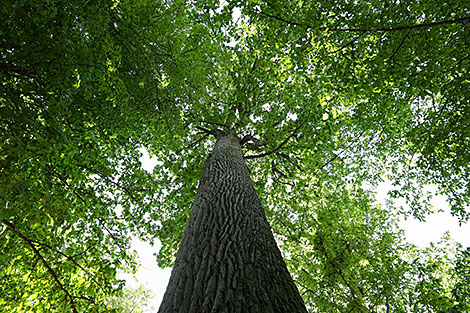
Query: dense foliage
[133, 300]
[341, 94]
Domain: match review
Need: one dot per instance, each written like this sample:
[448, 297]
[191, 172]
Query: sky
[416, 232]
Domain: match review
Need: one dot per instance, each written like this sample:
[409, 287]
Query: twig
[338, 271]
[127, 191]
[215, 123]
[349, 43]
[283, 20]
[64, 181]
[400, 45]
[286, 157]
[335, 156]
[277, 173]
[193, 144]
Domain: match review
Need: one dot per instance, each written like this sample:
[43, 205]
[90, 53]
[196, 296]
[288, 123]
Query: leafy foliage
[134, 300]
[72, 187]
[340, 93]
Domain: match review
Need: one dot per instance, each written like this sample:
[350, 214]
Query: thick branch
[225, 126]
[207, 131]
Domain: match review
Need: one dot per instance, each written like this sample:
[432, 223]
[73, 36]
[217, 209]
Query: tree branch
[193, 144]
[106, 178]
[339, 270]
[252, 143]
[277, 173]
[205, 130]
[215, 123]
[71, 259]
[407, 27]
[64, 181]
[286, 157]
[349, 43]
[283, 20]
[278, 147]
[374, 30]
[337, 155]
[400, 45]
[46, 265]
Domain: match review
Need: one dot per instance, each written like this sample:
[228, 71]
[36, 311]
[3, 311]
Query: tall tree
[228, 260]
[332, 95]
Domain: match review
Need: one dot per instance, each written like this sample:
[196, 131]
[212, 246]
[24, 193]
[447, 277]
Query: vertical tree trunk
[228, 260]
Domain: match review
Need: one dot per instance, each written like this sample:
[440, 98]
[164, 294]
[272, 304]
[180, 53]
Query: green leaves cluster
[72, 188]
[131, 300]
[397, 71]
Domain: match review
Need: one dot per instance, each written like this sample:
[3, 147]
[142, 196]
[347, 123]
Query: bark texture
[228, 260]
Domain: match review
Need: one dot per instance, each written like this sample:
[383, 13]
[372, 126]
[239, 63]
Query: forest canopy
[331, 96]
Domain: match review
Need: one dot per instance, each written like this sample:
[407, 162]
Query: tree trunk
[228, 260]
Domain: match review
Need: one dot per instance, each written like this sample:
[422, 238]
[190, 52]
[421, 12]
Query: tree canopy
[331, 96]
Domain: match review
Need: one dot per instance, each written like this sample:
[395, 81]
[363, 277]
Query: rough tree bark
[228, 260]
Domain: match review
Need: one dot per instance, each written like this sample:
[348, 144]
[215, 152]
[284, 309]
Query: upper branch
[278, 147]
[373, 30]
[406, 27]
